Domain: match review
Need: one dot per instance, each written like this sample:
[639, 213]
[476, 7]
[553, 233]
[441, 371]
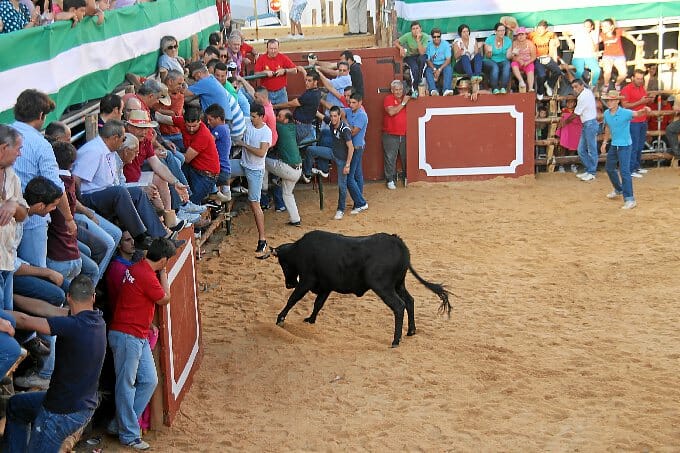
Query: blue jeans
[201, 185]
[356, 169]
[446, 75]
[89, 267]
[9, 348]
[638, 133]
[176, 140]
[6, 290]
[469, 67]
[549, 72]
[108, 233]
[416, 65]
[355, 189]
[620, 155]
[278, 96]
[344, 186]
[591, 63]
[587, 146]
[33, 246]
[322, 154]
[37, 288]
[495, 70]
[48, 430]
[136, 380]
[174, 161]
[69, 269]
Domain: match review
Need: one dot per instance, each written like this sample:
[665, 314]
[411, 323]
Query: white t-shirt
[584, 43]
[254, 137]
[586, 106]
[471, 49]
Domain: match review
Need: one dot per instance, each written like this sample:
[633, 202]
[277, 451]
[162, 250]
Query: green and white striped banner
[483, 14]
[88, 61]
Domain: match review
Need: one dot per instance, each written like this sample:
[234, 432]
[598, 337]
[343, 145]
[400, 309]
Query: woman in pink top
[523, 56]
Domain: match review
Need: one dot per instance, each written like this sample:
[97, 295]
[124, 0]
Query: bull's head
[286, 258]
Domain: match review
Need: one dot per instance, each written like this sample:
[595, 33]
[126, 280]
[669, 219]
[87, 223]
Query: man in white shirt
[586, 109]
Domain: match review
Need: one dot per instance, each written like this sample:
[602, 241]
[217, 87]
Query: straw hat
[611, 95]
[165, 96]
[464, 83]
[140, 118]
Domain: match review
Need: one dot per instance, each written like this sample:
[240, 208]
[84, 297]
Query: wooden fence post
[314, 16]
[323, 12]
[331, 18]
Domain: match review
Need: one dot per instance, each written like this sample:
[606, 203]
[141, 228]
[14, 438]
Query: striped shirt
[37, 159]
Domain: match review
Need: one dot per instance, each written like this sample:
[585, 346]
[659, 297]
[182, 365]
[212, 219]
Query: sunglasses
[436, 36]
[224, 56]
[172, 47]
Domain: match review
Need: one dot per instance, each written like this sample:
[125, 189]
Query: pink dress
[570, 134]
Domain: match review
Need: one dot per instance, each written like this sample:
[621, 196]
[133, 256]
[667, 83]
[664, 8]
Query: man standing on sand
[586, 109]
[617, 127]
[394, 132]
[635, 98]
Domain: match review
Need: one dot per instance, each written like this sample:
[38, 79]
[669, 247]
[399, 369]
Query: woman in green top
[497, 53]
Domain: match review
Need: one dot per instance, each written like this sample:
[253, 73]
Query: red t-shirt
[62, 245]
[133, 170]
[265, 63]
[203, 143]
[394, 125]
[136, 303]
[270, 121]
[613, 47]
[177, 107]
[633, 93]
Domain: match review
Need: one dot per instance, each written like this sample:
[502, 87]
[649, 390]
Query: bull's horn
[275, 252]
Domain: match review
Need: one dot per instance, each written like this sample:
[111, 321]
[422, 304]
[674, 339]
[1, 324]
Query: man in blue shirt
[438, 64]
[617, 128]
[358, 123]
[50, 417]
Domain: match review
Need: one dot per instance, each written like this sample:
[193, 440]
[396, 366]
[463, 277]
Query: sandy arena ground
[564, 334]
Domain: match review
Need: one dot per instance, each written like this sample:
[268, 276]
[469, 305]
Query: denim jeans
[638, 133]
[201, 185]
[498, 73]
[278, 96]
[587, 146]
[9, 348]
[174, 161]
[255, 178]
[356, 188]
[136, 380]
[469, 67]
[416, 65]
[131, 206]
[89, 268]
[323, 156]
[176, 140]
[69, 269]
[549, 72]
[38, 288]
[344, 185]
[108, 233]
[620, 155]
[446, 76]
[591, 63]
[48, 430]
[6, 290]
[33, 246]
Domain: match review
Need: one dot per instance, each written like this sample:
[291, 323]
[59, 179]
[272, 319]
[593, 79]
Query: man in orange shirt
[547, 70]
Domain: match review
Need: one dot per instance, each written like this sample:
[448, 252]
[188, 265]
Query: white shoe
[560, 169]
[188, 217]
[636, 174]
[360, 209]
[434, 93]
[316, 171]
[581, 175]
[226, 191]
[221, 196]
[539, 97]
[448, 93]
[289, 36]
[391, 185]
[192, 208]
[299, 37]
[613, 194]
[548, 90]
[588, 177]
[643, 170]
[630, 204]
[339, 215]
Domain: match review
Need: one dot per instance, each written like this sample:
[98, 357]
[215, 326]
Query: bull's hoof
[410, 333]
[309, 320]
[395, 344]
[279, 322]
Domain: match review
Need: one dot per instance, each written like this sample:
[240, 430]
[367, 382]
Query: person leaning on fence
[305, 105]
[438, 64]
[672, 131]
[546, 68]
[214, 116]
[41, 421]
[636, 98]
[586, 109]
[617, 128]
[394, 132]
[275, 66]
[412, 47]
[14, 16]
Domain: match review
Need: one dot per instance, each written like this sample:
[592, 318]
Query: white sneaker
[434, 93]
[581, 175]
[588, 177]
[299, 37]
[391, 185]
[360, 209]
[548, 90]
[221, 196]
[138, 444]
[643, 170]
[539, 97]
[316, 171]
[613, 194]
[560, 169]
[448, 93]
[339, 215]
[289, 36]
[192, 208]
[636, 174]
[226, 191]
[630, 204]
[188, 217]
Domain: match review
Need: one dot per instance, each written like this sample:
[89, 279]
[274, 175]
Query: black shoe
[262, 250]
[179, 226]
[295, 224]
[36, 347]
[143, 242]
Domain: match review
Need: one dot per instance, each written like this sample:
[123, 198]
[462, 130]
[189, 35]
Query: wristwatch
[403, 104]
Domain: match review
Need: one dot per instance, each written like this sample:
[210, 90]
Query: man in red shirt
[275, 66]
[394, 132]
[201, 160]
[145, 285]
[635, 98]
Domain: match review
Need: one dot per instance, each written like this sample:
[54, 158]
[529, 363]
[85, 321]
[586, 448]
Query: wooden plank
[311, 31]
[323, 12]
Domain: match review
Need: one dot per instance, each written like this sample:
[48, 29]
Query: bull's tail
[436, 288]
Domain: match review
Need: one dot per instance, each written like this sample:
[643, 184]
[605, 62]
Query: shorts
[254, 178]
[527, 68]
[296, 11]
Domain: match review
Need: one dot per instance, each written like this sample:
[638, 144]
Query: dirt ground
[564, 334]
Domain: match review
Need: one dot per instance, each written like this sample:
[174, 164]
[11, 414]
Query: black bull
[322, 262]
